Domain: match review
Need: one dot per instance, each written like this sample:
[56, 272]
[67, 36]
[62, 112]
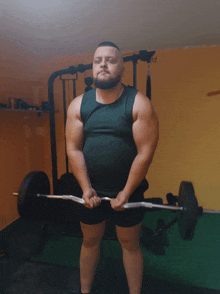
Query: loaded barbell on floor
[36, 187]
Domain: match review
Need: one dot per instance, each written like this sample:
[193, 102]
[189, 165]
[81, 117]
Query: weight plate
[188, 217]
[66, 210]
[68, 185]
[30, 206]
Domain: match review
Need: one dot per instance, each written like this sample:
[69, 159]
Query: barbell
[125, 206]
[34, 197]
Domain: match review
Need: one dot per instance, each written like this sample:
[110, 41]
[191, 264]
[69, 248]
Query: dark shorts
[125, 218]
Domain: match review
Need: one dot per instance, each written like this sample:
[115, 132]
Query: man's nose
[103, 63]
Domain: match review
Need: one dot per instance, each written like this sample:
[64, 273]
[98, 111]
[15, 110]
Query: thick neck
[109, 95]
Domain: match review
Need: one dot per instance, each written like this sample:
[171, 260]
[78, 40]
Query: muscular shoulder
[74, 107]
[142, 107]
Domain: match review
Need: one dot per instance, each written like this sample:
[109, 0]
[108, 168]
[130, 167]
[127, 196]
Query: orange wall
[24, 137]
[189, 124]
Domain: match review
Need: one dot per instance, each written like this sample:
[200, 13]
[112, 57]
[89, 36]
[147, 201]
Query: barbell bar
[125, 206]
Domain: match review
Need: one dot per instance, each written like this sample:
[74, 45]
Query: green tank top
[109, 148]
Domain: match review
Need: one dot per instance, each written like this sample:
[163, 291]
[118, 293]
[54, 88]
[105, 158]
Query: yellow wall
[182, 83]
[182, 80]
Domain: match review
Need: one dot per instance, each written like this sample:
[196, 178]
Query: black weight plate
[68, 185]
[66, 210]
[188, 217]
[30, 206]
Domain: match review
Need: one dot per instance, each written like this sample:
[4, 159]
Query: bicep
[74, 127]
[145, 127]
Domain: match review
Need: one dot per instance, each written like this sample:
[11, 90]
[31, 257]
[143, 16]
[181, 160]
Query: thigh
[92, 234]
[129, 237]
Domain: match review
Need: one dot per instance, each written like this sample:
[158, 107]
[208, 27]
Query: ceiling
[74, 27]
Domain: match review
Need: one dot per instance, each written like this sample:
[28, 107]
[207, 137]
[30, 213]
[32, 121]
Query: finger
[118, 208]
[88, 203]
[94, 193]
[98, 200]
[95, 201]
[112, 202]
[117, 205]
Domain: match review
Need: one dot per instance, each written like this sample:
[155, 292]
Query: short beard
[105, 85]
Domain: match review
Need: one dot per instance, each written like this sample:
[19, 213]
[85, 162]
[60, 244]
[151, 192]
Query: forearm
[79, 169]
[138, 171]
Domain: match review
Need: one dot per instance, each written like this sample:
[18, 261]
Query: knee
[130, 245]
[92, 234]
[91, 242]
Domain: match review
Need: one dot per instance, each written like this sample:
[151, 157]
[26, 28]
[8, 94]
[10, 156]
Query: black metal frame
[142, 55]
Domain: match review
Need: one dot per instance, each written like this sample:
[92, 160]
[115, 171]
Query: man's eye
[97, 61]
[111, 60]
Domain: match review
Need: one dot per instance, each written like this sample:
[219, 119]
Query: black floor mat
[43, 278]
[38, 278]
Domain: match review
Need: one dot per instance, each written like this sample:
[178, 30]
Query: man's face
[107, 67]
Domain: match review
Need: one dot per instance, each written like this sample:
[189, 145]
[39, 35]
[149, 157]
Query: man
[111, 135]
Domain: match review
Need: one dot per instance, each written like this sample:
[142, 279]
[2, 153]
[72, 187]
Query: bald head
[108, 44]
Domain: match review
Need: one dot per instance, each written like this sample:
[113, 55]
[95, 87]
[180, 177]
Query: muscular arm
[74, 146]
[145, 134]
